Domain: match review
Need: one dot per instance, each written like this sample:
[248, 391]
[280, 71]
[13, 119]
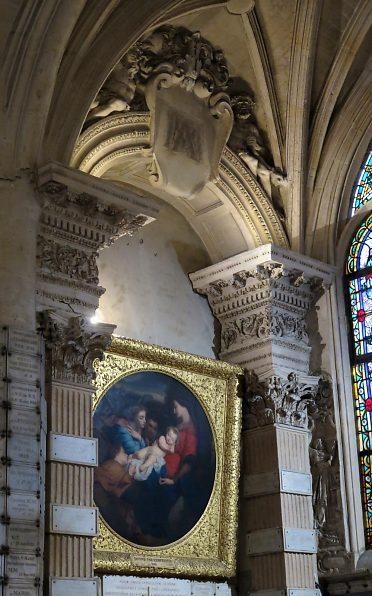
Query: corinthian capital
[73, 345]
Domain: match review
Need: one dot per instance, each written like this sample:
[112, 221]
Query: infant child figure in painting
[144, 461]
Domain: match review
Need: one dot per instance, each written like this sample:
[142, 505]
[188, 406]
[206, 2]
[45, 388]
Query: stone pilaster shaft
[80, 215]
[72, 346]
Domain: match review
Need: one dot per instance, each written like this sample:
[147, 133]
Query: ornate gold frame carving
[209, 548]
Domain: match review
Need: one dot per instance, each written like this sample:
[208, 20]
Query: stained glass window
[359, 288]
[363, 189]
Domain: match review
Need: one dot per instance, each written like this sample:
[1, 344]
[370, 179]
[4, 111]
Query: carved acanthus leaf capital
[72, 347]
[277, 400]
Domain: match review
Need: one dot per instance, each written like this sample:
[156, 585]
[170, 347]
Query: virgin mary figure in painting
[170, 472]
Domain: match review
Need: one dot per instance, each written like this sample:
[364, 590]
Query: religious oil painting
[167, 425]
[156, 458]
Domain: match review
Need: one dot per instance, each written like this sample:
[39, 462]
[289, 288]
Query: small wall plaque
[23, 367]
[25, 422]
[22, 537]
[23, 507]
[24, 478]
[156, 586]
[299, 540]
[264, 541]
[59, 586]
[70, 519]
[73, 449]
[261, 484]
[24, 396]
[24, 341]
[24, 448]
[295, 483]
[21, 566]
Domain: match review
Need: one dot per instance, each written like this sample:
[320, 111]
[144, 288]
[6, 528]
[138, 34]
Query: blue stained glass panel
[360, 290]
[362, 389]
[363, 190]
[366, 469]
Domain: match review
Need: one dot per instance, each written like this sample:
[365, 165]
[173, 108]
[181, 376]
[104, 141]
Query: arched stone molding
[113, 140]
[351, 130]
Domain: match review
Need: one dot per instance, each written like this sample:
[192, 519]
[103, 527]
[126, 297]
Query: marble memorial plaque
[16, 589]
[24, 341]
[24, 478]
[68, 519]
[295, 483]
[24, 507]
[202, 589]
[25, 422]
[264, 541]
[76, 450]
[24, 448]
[22, 537]
[23, 367]
[24, 396]
[73, 587]
[137, 586]
[21, 566]
[299, 540]
[261, 484]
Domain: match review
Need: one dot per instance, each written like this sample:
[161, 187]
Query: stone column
[80, 215]
[263, 298]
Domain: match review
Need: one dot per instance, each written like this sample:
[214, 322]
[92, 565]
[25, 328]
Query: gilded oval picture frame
[168, 427]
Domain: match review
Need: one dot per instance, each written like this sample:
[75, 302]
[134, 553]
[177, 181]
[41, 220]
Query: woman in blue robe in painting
[128, 432]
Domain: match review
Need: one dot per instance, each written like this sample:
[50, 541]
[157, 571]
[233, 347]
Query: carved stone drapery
[262, 298]
[80, 215]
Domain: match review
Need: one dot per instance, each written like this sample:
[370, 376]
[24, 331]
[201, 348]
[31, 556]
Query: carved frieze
[72, 346]
[55, 258]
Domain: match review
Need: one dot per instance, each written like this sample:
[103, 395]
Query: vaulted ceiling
[307, 64]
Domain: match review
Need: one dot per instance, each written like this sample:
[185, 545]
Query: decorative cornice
[80, 215]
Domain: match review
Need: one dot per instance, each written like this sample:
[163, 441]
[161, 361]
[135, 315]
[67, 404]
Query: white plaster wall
[148, 293]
